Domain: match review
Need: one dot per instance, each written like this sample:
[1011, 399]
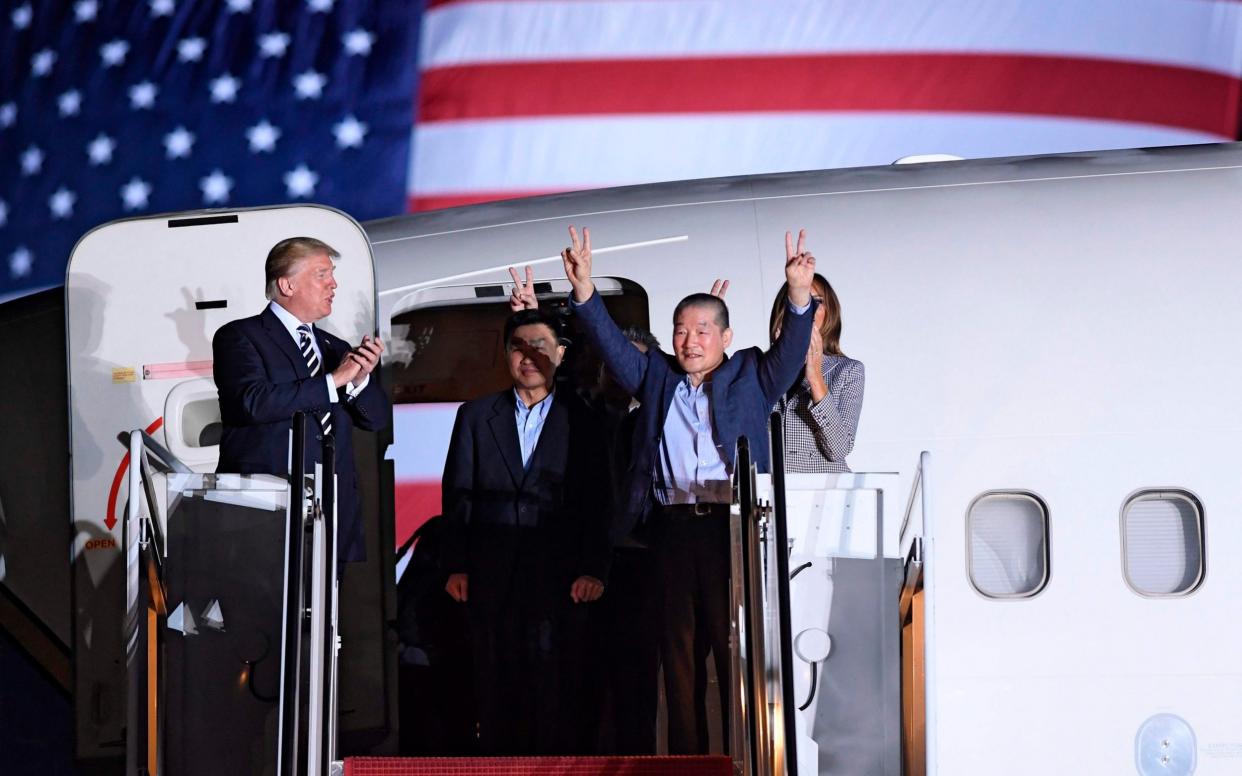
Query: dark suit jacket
[745, 388]
[262, 379]
[503, 521]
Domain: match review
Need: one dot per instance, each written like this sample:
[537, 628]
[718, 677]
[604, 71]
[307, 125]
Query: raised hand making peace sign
[577, 261]
[799, 269]
[523, 296]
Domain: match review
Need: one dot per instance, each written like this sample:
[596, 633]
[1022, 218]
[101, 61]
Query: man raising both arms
[694, 406]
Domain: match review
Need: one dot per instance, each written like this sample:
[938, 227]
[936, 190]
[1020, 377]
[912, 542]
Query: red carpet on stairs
[538, 766]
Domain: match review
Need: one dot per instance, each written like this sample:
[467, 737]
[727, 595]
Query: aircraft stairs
[204, 589]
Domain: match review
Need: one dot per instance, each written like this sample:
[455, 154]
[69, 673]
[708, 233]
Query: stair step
[539, 766]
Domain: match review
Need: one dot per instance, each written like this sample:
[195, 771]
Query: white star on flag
[215, 187]
[32, 160]
[240, 6]
[20, 262]
[320, 6]
[162, 7]
[273, 44]
[349, 132]
[191, 49]
[41, 63]
[85, 10]
[142, 95]
[309, 85]
[177, 144]
[113, 52]
[100, 149]
[135, 193]
[358, 42]
[262, 137]
[224, 88]
[4, 213]
[61, 203]
[8, 114]
[21, 16]
[70, 103]
[300, 181]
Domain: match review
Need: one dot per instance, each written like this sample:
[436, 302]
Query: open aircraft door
[144, 298]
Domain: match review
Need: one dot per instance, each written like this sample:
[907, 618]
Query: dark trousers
[692, 555]
[518, 673]
[622, 696]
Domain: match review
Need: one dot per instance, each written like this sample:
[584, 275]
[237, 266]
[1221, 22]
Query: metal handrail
[915, 489]
[783, 605]
[751, 702]
[145, 608]
[328, 514]
[295, 604]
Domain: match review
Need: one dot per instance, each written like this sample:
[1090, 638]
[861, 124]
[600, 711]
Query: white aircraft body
[1053, 332]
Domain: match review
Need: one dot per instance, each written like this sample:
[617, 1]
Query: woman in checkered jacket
[820, 412]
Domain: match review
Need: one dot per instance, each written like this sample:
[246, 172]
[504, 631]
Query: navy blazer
[550, 517]
[744, 390]
[263, 380]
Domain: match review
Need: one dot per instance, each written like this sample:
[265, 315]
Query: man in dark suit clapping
[269, 366]
[525, 503]
[694, 405]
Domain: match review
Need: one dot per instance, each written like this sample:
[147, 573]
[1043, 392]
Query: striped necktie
[312, 363]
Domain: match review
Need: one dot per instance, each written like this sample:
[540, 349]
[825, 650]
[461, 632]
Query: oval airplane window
[1162, 542]
[1007, 544]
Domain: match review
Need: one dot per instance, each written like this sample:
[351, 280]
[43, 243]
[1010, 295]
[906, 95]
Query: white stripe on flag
[567, 153]
[1197, 34]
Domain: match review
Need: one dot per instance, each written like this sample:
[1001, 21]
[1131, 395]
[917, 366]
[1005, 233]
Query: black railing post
[784, 617]
[295, 605]
[328, 506]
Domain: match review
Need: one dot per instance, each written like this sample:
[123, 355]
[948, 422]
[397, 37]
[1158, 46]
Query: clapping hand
[799, 269]
[523, 296]
[577, 261]
[366, 356]
[815, 366]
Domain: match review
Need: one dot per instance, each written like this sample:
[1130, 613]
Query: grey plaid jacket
[818, 437]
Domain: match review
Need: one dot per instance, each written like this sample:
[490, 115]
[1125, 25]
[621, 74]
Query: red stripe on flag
[415, 502]
[441, 201]
[1113, 90]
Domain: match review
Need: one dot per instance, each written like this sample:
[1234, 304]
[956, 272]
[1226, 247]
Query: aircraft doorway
[447, 347]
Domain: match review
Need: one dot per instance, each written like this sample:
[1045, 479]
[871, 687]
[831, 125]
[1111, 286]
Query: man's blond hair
[284, 256]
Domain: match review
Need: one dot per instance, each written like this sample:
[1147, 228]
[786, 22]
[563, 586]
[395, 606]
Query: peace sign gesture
[523, 296]
[799, 269]
[577, 261]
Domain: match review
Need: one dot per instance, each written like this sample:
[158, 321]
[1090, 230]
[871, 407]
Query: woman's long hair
[830, 330]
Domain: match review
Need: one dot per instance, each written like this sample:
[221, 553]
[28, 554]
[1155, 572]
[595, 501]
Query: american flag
[534, 97]
[111, 109]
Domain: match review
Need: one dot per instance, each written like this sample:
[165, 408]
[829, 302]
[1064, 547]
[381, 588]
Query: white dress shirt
[291, 324]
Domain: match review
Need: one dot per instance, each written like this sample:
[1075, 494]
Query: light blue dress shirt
[291, 324]
[692, 466]
[530, 424]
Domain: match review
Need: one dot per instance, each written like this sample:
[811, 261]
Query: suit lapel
[504, 431]
[331, 359]
[279, 336]
[554, 433]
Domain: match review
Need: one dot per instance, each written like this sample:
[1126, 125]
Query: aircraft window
[1162, 542]
[1007, 544]
[450, 350]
